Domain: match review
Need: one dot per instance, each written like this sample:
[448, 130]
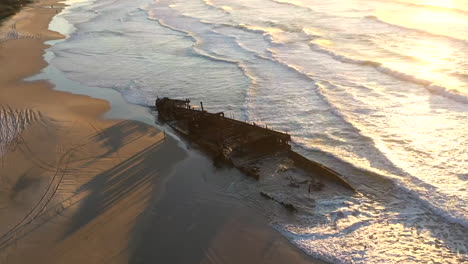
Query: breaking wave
[434, 7]
[432, 87]
[427, 33]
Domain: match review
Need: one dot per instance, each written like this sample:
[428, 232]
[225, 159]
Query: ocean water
[375, 89]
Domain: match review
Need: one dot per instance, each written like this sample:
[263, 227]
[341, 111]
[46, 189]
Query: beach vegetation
[10, 7]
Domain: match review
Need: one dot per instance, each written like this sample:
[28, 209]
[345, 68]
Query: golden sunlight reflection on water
[434, 58]
[433, 62]
[439, 3]
[436, 21]
[448, 4]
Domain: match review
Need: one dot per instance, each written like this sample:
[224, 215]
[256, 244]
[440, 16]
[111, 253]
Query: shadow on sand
[188, 219]
[196, 221]
[139, 171]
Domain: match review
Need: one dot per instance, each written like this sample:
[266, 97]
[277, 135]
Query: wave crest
[432, 87]
[427, 33]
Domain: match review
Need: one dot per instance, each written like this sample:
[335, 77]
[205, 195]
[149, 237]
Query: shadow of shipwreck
[139, 172]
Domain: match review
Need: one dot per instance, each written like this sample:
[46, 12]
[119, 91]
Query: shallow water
[375, 89]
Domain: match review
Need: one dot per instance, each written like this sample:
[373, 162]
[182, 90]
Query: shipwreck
[255, 150]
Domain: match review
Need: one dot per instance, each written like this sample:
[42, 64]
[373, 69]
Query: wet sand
[76, 188]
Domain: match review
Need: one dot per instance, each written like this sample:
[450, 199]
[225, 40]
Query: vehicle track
[43, 201]
[54, 183]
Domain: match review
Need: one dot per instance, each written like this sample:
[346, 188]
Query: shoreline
[75, 177]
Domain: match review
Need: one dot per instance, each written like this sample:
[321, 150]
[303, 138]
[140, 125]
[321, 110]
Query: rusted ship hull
[256, 151]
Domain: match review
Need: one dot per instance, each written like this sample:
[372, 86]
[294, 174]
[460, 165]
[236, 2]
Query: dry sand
[75, 188]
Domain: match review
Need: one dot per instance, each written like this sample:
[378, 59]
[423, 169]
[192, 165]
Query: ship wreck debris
[246, 146]
[288, 206]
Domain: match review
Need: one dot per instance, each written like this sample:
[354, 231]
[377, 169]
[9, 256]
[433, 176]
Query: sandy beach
[76, 188]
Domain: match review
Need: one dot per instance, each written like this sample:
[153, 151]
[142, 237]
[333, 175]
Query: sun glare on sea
[433, 16]
[434, 58]
[439, 3]
[433, 64]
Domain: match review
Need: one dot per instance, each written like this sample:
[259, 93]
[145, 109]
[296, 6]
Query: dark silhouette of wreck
[241, 144]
